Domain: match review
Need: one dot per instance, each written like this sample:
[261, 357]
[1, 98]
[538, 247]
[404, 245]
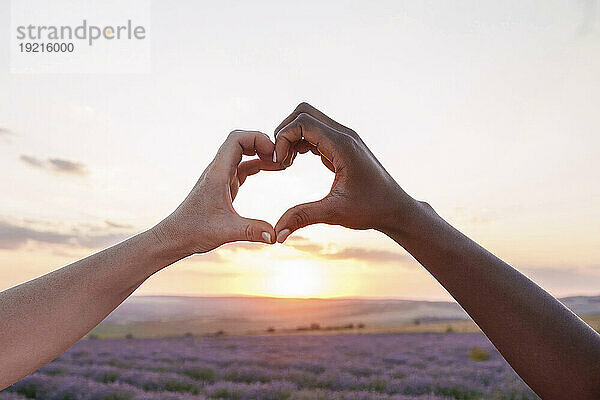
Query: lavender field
[372, 366]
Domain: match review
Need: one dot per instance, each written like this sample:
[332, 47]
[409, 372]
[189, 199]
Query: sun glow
[296, 279]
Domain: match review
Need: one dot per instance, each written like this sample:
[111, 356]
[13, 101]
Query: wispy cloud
[303, 244]
[57, 165]
[117, 225]
[306, 245]
[32, 161]
[220, 255]
[13, 236]
[6, 135]
[349, 253]
[361, 254]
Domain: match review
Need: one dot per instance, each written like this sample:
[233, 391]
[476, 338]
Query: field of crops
[373, 366]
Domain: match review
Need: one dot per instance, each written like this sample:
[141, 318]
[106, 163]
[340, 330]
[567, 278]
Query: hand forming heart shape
[363, 194]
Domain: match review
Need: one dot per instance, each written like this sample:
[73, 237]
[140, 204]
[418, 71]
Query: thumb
[253, 230]
[303, 215]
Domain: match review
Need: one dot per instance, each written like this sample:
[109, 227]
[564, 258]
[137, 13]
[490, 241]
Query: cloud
[349, 253]
[66, 166]
[361, 254]
[58, 165]
[305, 245]
[219, 255]
[31, 161]
[116, 225]
[13, 236]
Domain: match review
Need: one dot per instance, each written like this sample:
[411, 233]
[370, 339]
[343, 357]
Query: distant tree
[349, 326]
[220, 333]
[478, 354]
[314, 326]
[417, 321]
[129, 336]
[449, 329]
[271, 329]
[188, 334]
[361, 326]
[93, 336]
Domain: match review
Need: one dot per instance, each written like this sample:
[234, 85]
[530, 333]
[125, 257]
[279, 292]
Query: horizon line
[241, 296]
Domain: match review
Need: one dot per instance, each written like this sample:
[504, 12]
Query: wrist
[406, 217]
[167, 243]
[147, 253]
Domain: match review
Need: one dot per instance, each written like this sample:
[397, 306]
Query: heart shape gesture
[363, 194]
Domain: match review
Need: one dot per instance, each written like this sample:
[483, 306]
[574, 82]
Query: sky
[486, 110]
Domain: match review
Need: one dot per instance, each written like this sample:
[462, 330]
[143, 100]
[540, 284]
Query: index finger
[306, 127]
[316, 114]
[240, 143]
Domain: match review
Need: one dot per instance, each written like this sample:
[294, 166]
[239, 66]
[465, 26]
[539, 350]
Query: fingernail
[266, 237]
[274, 156]
[283, 235]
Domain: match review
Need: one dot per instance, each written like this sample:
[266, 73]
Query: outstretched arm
[554, 351]
[42, 318]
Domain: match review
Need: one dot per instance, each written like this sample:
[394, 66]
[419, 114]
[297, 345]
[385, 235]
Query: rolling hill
[151, 316]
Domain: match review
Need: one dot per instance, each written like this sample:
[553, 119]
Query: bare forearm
[555, 352]
[44, 317]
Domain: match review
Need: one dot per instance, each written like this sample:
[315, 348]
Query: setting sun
[296, 279]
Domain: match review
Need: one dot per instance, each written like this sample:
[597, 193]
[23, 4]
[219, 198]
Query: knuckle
[249, 232]
[350, 142]
[302, 116]
[353, 133]
[233, 134]
[303, 107]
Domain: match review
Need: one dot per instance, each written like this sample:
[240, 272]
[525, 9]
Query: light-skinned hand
[206, 219]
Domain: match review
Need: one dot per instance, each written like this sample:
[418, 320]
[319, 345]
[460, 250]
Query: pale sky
[487, 110]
